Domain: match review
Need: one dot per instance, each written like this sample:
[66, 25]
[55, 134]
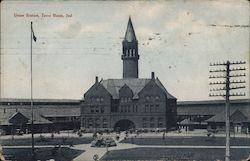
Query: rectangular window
[151, 108]
[102, 109]
[157, 106]
[104, 125]
[160, 122]
[128, 108]
[97, 109]
[92, 110]
[146, 108]
[144, 123]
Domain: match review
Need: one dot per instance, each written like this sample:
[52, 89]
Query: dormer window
[96, 99]
[125, 99]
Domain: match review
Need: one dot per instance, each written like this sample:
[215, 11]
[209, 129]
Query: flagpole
[31, 94]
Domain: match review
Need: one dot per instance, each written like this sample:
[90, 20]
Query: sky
[177, 40]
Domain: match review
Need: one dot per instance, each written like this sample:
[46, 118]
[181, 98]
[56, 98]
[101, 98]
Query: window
[83, 122]
[157, 109]
[128, 108]
[151, 122]
[97, 109]
[160, 123]
[146, 108]
[136, 108]
[90, 123]
[97, 123]
[102, 109]
[92, 110]
[151, 108]
[144, 122]
[157, 97]
[105, 123]
[121, 108]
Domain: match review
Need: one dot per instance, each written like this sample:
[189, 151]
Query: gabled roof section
[114, 85]
[97, 85]
[169, 96]
[235, 115]
[17, 116]
[10, 115]
[136, 85]
[130, 33]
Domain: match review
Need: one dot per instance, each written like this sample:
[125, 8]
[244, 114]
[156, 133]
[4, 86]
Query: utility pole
[228, 73]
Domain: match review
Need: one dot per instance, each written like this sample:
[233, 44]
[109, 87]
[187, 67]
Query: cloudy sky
[177, 40]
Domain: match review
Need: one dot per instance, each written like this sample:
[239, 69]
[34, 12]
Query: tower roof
[130, 33]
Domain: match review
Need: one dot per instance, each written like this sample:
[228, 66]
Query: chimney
[152, 75]
[96, 79]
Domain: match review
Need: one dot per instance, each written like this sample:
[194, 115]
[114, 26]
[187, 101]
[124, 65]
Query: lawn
[172, 154]
[47, 141]
[181, 140]
[58, 154]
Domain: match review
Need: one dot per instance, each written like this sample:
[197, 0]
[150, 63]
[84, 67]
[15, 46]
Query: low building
[239, 121]
[211, 114]
[49, 115]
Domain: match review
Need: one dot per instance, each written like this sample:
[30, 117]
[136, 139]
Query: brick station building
[130, 102]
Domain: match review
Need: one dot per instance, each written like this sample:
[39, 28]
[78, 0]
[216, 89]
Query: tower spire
[130, 33]
[130, 55]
